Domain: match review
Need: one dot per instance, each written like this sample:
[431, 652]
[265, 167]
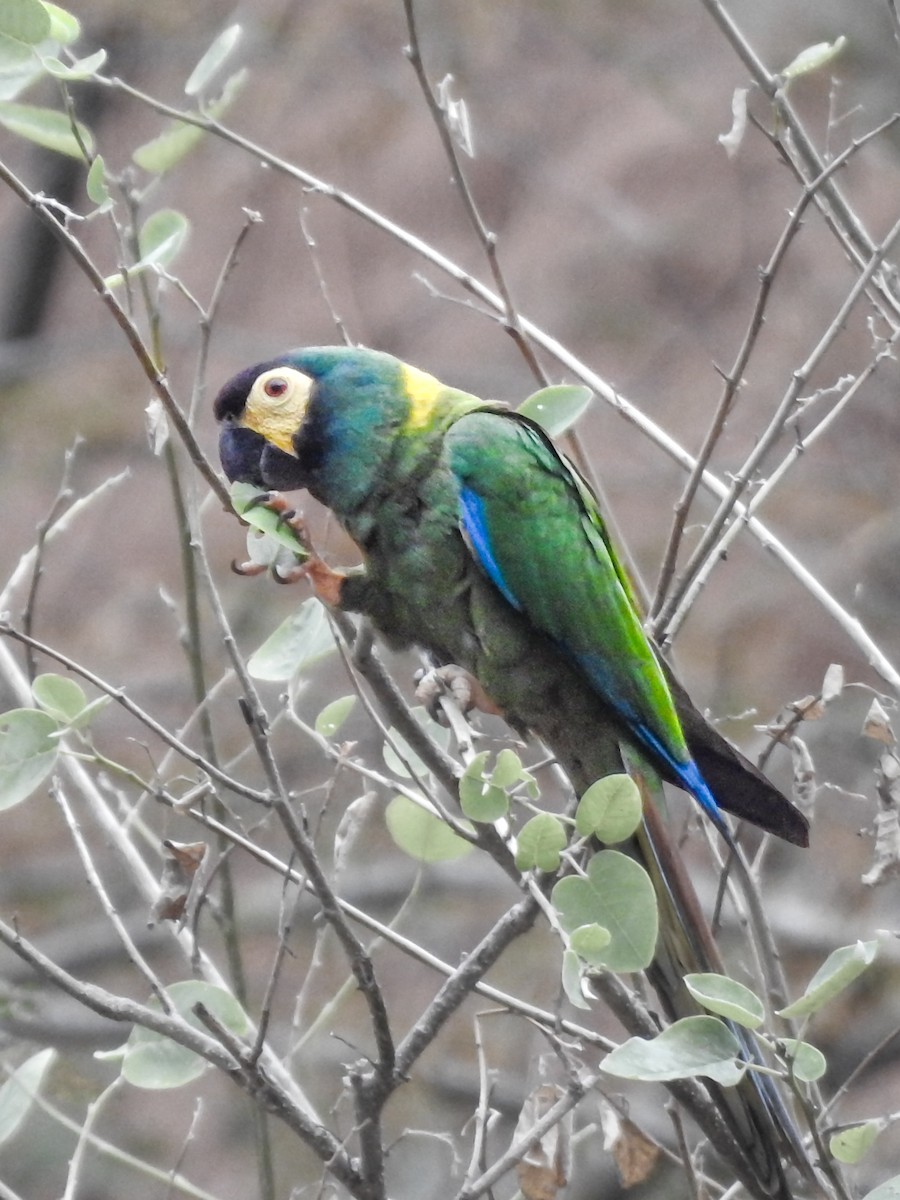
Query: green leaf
[245, 501]
[487, 805]
[589, 942]
[24, 20]
[571, 979]
[610, 809]
[508, 769]
[46, 127]
[213, 60]
[18, 1092]
[540, 842]
[617, 894]
[95, 185]
[162, 238]
[555, 409]
[693, 1046]
[64, 27]
[154, 1061]
[421, 834]
[727, 998]
[59, 696]
[850, 1145]
[28, 750]
[179, 139]
[303, 639]
[19, 68]
[838, 970]
[333, 715]
[82, 68]
[479, 798]
[889, 1190]
[806, 1061]
[813, 58]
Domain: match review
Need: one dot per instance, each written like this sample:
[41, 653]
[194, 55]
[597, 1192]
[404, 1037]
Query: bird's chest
[417, 564]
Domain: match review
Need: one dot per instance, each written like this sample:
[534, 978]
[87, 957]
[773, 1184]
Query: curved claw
[247, 569]
[461, 686]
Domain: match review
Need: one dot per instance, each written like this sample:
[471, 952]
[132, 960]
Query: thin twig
[141, 352]
[741, 478]
[139, 714]
[487, 239]
[735, 376]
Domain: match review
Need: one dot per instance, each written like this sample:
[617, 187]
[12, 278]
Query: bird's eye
[275, 387]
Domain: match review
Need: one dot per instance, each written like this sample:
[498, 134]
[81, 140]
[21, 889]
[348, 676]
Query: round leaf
[540, 842]
[297, 643]
[693, 1046]
[59, 696]
[154, 1061]
[555, 409]
[617, 894]
[727, 998]
[850, 1145]
[508, 769]
[28, 750]
[479, 799]
[24, 20]
[421, 834]
[333, 715]
[589, 942]
[805, 1061]
[486, 804]
[610, 809]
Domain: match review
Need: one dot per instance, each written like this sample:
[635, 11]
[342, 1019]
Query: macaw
[482, 544]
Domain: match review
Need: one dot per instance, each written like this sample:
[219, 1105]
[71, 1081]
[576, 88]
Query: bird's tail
[764, 1136]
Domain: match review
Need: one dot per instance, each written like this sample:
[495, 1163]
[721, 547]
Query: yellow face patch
[423, 391]
[277, 405]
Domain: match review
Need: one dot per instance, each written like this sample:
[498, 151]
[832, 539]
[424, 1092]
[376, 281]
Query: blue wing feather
[474, 522]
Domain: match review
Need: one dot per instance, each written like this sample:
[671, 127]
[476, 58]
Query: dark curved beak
[240, 452]
[247, 457]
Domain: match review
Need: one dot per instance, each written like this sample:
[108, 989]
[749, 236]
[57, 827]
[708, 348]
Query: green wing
[536, 529]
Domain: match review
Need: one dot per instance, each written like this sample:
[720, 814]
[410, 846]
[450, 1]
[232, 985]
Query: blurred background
[629, 235]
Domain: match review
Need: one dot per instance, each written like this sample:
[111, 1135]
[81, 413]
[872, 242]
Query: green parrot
[482, 544]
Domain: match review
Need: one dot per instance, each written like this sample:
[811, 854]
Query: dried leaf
[180, 867]
[810, 708]
[886, 855]
[804, 774]
[731, 141]
[833, 683]
[877, 725]
[634, 1154]
[544, 1168]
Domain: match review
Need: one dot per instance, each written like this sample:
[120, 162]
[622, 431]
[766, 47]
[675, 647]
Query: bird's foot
[296, 558]
[456, 683]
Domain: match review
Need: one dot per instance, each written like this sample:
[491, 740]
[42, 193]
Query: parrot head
[327, 419]
[260, 412]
